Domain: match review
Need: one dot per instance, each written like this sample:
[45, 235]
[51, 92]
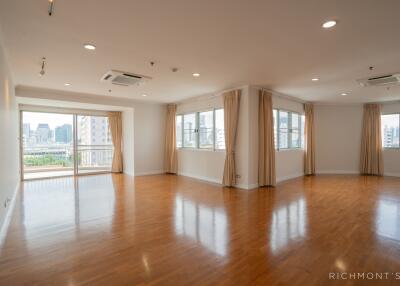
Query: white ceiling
[277, 43]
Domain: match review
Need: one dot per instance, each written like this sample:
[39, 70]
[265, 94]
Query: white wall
[338, 139]
[128, 142]
[9, 162]
[148, 130]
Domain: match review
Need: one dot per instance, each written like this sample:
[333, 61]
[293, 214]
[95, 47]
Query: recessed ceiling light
[315, 79]
[89, 47]
[329, 24]
[343, 93]
[67, 84]
[196, 74]
[144, 95]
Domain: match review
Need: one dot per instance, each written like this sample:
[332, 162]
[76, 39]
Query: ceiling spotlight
[67, 84]
[42, 71]
[144, 95]
[315, 79]
[329, 24]
[89, 47]
[51, 7]
[196, 74]
[343, 94]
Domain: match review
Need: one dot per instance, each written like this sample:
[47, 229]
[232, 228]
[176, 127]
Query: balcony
[58, 160]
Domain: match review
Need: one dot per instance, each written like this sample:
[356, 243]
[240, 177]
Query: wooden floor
[169, 230]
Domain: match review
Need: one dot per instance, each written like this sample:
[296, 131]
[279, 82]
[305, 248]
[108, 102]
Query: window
[206, 129]
[203, 130]
[288, 129]
[179, 131]
[219, 129]
[390, 130]
[189, 130]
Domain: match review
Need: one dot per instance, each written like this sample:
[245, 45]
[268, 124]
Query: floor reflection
[388, 218]
[58, 204]
[288, 224]
[202, 223]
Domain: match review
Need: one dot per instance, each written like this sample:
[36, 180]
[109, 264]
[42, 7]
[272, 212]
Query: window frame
[389, 148]
[289, 128]
[197, 130]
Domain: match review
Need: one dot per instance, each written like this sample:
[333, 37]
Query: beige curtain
[266, 147]
[309, 142]
[371, 144]
[231, 118]
[115, 123]
[171, 156]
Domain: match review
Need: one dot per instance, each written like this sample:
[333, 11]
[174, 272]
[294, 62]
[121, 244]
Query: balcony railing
[60, 158]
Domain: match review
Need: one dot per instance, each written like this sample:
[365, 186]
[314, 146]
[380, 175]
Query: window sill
[391, 148]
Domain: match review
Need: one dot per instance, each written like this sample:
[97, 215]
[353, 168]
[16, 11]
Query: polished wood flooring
[171, 230]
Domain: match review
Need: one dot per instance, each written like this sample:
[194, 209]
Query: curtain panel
[309, 140]
[266, 145]
[171, 155]
[231, 117]
[371, 144]
[115, 123]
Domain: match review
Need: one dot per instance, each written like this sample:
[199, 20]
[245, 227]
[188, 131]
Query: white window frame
[197, 129]
[289, 128]
[390, 148]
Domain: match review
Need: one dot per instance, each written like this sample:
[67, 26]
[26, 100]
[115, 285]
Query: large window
[189, 130]
[288, 129]
[203, 130]
[390, 130]
[60, 144]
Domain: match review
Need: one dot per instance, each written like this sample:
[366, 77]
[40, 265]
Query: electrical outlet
[238, 176]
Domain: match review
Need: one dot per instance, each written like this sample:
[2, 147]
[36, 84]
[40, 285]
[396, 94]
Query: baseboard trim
[156, 172]
[7, 217]
[201, 178]
[338, 172]
[392, 174]
[285, 178]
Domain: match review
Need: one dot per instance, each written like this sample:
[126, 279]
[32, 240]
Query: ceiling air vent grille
[124, 78]
[385, 80]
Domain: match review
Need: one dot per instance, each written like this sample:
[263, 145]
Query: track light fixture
[51, 7]
[42, 71]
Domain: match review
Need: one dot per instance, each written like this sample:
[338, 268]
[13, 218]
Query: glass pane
[390, 130]
[219, 129]
[179, 131]
[283, 138]
[295, 140]
[47, 144]
[206, 129]
[295, 121]
[283, 119]
[274, 112]
[189, 126]
[94, 144]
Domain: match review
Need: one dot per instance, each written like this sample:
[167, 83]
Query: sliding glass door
[94, 145]
[55, 144]
[47, 143]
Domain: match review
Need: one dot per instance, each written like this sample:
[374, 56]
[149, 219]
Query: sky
[53, 119]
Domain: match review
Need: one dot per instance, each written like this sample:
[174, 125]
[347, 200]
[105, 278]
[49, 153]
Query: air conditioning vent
[124, 78]
[385, 80]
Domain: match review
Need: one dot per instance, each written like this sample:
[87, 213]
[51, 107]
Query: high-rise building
[43, 133]
[63, 134]
[93, 131]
